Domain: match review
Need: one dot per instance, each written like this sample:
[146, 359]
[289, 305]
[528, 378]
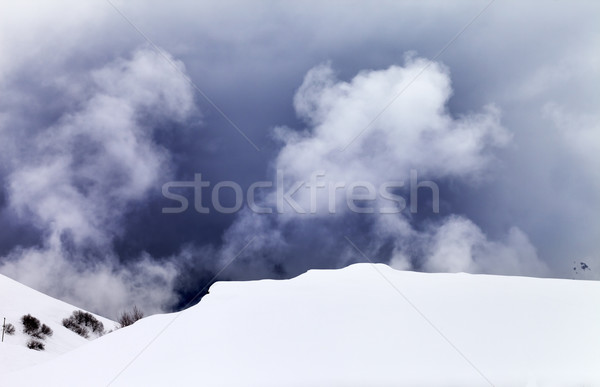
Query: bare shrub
[36, 330]
[45, 330]
[31, 325]
[36, 345]
[9, 329]
[82, 323]
[70, 324]
[128, 318]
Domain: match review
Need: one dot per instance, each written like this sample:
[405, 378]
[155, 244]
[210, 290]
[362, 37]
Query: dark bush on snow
[34, 328]
[72, 325]
[128, 318]
[82, 323]
[36, 345]
[9, 329]
[45, 330]
[31, 325]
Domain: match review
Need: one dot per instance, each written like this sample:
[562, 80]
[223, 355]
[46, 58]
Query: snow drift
[365, 325]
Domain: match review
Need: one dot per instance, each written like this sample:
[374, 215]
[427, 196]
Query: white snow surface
[364, 325]
[17, 300]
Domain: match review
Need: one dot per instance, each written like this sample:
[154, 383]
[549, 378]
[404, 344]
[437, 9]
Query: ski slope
[364, 325]
[17, 300]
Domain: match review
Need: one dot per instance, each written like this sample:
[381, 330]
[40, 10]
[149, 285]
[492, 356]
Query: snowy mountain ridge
[358, 326]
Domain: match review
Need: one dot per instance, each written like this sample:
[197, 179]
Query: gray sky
[93, 122]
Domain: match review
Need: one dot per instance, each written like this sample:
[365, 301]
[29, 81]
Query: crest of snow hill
[364, 325]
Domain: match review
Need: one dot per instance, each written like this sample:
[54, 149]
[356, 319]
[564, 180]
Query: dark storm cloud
[506, 205]
[77, 179]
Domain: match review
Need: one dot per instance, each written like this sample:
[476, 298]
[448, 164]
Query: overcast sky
[102, 104]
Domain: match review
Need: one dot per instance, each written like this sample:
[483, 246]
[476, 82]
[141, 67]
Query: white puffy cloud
[416, 131]
[458, 245]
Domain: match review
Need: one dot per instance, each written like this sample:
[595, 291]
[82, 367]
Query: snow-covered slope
[17, 300]
[365, 325]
